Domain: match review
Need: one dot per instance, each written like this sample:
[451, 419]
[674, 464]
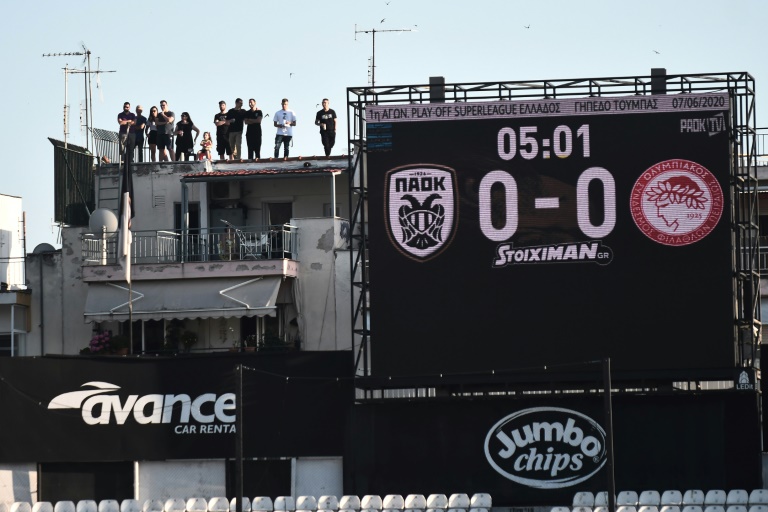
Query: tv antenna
[373, 32]
[86, 72]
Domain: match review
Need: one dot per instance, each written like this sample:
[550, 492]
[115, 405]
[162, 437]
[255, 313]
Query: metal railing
[247, 243]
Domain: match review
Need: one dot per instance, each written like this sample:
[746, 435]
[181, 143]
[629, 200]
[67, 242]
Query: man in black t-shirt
[235, 118]
[326, 120]
[222, 131]
[253, 119]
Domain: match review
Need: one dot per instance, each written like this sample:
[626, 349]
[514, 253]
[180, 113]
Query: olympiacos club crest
[676, 202]
[421, 209]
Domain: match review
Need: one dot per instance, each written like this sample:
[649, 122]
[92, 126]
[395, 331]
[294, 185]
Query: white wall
[318, 476]
[180, 479]
[11, 242]
[18, 482]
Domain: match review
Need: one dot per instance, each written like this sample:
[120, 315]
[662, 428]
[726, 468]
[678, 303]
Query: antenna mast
[373, 32]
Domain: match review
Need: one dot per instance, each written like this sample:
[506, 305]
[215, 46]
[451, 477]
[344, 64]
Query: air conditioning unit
[225, 190]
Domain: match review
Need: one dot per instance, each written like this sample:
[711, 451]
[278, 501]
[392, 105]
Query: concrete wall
[180, 479]
[18, 482]
[319, 295]
[11, 242]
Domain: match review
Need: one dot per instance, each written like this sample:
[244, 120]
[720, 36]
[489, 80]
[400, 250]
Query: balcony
[260, 250]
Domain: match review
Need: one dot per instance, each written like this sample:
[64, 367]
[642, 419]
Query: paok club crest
[422, 209]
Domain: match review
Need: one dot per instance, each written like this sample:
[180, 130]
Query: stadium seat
[758, 497]
[306, 504]
[392, 503]
[220, 504]
[480, 502]
[627, 499]
[64, 506]
[328, 503]
[42, 506]
[415, 503]
[737, 497]
[232, 505]
[647, 508]
[715, 497]
[109, 506]
[671, 497]
[195, 505]
[670, 508]
[736, 508]
[349, 503]
[581, 509]
[583, 499]
[173, 505]
[692, 508]
[130, 505]
[649, 498]
[758, 508]
[370, 503]
[693, 497]
[714, 508]
[458, 502]
[436, 502]
[282, 504]
[21, 506]
[560, 509]
[85, 506]
[260, 504]
[626, 508]
[600, 509]
[601, 499]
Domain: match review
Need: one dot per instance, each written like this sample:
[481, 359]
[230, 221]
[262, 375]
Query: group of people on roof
[159, 130]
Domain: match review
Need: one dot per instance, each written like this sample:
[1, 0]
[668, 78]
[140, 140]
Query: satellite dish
[41, 248]
[101, 218]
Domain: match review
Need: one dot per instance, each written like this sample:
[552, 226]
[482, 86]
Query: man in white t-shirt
[284, 121]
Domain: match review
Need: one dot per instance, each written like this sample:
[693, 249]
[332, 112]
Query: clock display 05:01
[524, 142]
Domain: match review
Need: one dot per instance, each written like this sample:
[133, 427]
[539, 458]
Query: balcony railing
[247, 243]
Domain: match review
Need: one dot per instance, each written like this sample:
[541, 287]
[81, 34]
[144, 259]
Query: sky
[195, 53]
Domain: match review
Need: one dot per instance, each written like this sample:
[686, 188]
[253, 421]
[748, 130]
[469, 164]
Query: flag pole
[127, 211]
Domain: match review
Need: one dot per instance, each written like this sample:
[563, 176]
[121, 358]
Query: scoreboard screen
[520, 234]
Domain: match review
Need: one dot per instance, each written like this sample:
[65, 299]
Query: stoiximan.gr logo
[421, 209]
[101, 405]
[546, 447]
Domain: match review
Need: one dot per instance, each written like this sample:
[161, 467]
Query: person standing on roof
[284, 121]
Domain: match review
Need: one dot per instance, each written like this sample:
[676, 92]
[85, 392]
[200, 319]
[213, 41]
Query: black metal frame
[745, 245]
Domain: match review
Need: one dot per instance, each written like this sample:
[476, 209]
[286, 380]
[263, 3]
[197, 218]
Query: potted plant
[251, 342]
[188, 339]
[99, 344]
[119, 344]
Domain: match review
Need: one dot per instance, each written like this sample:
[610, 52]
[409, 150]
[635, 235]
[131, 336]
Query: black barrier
[59, 409]
[520, 234]
[540, 450]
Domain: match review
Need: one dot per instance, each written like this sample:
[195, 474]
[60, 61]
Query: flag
[127, 212]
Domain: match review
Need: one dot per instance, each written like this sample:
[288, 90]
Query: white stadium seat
[85, 506]
[670, 508]
[601, 499]
[349, 503]
[649, 498]
[415, 503]
[232, 504]
[693, 497]
[328, 502]
[601, 509]
[671, 497]
[714, 508]
[109, 506]
[130, 505]
[64, 506]
[583, 499]
[219, 504]
[758, 497]
[370, 503]
[736, 508]
[196, 505]
[581, 509]
[42, 506]
[306, 504]
[173, 505]
[693, 508]
[737, 497]
[21, 506]
[480, 502]
[260, 504]
[152, 506]
[715, 497]
[758, 508]
[392, 503]
[627, 499]
[647, 508]
[283, 504]
[626, 508]
[458, 502]
[560, 509]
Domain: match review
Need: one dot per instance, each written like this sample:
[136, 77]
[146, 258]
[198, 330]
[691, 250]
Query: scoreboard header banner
[516, 234]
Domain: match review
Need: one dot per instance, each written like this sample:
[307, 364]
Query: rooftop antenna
[86, 54]
[373, 32]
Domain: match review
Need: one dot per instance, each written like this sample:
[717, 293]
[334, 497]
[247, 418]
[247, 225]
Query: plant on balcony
[273, 342]
[100, 344]
[119, 344]
[188, 339]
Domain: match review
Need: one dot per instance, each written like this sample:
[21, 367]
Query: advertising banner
[110, 408]
[516, 234]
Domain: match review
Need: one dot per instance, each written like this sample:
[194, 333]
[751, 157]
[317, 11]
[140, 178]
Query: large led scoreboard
[512, 235]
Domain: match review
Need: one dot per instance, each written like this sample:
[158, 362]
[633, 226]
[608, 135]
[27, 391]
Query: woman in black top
[185, 144]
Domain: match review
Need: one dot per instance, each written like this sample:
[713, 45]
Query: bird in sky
[382, 20]
[657, 53]
[527, 26]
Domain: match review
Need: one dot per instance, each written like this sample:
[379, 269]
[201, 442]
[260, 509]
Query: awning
[183, 298]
